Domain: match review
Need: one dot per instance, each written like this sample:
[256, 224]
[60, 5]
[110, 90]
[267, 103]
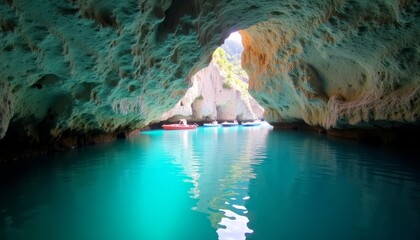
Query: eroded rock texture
[93, 67]
[89, 67]
[341, 65]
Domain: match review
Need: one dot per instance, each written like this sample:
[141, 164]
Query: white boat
[212, 124]
[250, 124]
[266, 124]
[230, 124]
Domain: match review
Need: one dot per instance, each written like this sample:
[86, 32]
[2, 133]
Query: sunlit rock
[209, 99]
[345, 65]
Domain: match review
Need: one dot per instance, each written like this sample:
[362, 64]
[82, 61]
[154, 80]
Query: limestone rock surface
[350, 64]
[89, 67]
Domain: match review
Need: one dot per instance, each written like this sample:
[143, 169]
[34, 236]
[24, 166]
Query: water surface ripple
[216, 183]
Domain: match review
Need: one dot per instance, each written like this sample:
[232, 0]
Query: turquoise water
[224, 183]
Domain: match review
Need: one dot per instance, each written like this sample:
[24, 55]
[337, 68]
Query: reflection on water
[216, 183]
[235, 225]
[220, 168]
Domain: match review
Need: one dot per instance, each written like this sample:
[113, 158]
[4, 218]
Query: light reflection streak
[236, 226]
[220, 172]
[220, 178]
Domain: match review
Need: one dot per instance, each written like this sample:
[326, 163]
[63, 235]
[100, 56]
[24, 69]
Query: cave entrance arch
[220, 90]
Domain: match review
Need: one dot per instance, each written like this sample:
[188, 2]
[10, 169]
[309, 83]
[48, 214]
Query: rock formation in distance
[210, 99]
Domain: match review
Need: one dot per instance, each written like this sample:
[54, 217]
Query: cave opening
[220, 90]
[228, 58]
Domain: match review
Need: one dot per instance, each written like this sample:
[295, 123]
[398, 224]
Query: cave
[95, 70]
[83, 72]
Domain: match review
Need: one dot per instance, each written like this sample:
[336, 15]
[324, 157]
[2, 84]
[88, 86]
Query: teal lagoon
[216, 183]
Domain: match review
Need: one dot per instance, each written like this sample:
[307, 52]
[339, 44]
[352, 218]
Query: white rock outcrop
[207, 99]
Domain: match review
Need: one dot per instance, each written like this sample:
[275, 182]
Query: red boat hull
[178, 127]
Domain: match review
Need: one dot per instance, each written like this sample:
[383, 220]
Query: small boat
[266, 124]
[212, 124]
[230, 124]
[250, 124]
[182, 125]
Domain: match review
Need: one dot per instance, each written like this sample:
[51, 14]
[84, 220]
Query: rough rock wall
[207, 100]
[91, 66]
[88, 67]
[105, 66]
[353, 64]
[6, 107]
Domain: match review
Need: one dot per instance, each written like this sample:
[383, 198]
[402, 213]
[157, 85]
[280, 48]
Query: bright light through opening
[235, 36]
